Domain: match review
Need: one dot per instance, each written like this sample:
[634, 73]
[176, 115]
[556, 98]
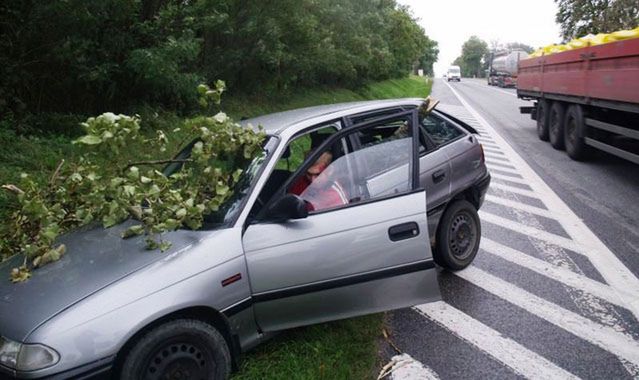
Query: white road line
[496, 157]
[507, 178]
[507, 173]
[493, 151]
[621, 345]
[523, 361]
[528, 193]
[503, 168]
[501, 165]
[565, 276]
[534, 232]
[490, 145]
[611, 268]
[406, 367]
[521, 206]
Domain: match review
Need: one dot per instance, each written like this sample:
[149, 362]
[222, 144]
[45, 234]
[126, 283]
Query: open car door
[363, 248]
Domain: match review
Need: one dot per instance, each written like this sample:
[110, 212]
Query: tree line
[78, 56]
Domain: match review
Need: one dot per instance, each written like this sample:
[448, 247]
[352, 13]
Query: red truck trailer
[586, 98]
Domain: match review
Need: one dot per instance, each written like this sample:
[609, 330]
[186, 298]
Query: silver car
[333, 220]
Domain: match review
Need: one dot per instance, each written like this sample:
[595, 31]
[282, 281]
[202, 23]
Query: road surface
[554, 290]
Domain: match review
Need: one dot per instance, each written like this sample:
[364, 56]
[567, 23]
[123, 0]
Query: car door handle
[403, 231]
[439, 176]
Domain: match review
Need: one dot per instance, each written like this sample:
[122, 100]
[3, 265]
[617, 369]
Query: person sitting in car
[318, 187]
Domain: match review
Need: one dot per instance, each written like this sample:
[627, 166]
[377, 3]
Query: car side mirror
[290, 206]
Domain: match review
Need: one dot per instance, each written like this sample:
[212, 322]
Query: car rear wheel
[556, 125]
[458, 236]
[179, 349]
[542, 120]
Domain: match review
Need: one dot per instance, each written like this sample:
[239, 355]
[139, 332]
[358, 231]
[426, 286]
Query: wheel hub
[180, 361]
[462, 236]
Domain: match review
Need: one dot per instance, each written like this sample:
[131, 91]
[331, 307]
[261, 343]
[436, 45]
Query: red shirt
[299, 185]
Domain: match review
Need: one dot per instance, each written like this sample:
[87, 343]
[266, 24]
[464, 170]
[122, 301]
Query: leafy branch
[83, 192]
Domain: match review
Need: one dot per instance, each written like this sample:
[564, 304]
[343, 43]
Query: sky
[451, 23]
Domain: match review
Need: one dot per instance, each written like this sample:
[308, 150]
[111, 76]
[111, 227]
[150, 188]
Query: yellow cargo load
[589, 40]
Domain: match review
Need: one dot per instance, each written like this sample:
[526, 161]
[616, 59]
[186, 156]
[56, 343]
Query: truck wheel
[179, 349]
[574, 132]
[556, 125]
[458, 236]
[542, 120]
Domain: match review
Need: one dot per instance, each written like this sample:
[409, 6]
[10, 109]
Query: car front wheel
[179, 349]
[458, 236]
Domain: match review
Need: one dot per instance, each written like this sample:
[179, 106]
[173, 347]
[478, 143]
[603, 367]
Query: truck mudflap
[532, 110]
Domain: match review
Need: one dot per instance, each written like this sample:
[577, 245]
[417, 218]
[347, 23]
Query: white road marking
[500, 165]
[565, 276]
[510, 189]
[521, 206]
[405, 367]
[507, 178]
[505, 350]
[611, 268]
[532, 231]
[619, 344]
[495, 157]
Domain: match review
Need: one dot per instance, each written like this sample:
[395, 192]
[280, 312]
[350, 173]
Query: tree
[580, 17]
[519, 46]
[472, 57]
[428, 58]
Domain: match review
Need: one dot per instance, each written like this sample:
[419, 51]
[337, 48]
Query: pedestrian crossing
[578, 304]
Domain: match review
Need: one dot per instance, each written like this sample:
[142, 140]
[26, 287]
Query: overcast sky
[451, 23]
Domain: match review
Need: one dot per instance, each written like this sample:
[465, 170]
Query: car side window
[294, 155]
[439, 130]
[379, 167]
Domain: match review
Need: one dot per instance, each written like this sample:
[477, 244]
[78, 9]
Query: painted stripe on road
[510, 189]
[495, 175]
[405, 367]
[532, 231]
[565, 276]
[621, 345]
[505, 350]
[605, 261]
[521, 206]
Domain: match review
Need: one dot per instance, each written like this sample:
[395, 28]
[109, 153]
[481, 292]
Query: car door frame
[422, 267]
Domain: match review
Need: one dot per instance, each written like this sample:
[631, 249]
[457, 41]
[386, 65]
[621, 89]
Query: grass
[339, 350]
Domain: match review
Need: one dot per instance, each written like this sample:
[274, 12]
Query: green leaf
[88, 140]
[164, 245]
[133, 231]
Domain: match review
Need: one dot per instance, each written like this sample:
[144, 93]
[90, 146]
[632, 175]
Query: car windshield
[453, 71]
[228, 211]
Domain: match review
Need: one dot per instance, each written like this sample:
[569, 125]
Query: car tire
[458, 236]
[182, 348]
[542, 120]
[556, 125]
[574, 133]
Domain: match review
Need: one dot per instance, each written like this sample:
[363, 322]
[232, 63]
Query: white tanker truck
[502, 70]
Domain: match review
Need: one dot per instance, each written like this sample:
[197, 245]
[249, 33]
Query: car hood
[95, 258]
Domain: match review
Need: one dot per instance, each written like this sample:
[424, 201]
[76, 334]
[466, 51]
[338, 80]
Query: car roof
[275, 123]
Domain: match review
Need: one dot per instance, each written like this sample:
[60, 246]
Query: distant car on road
[454, 73]
[268, 259]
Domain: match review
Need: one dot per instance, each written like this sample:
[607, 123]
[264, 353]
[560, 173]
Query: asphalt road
[553, 292]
